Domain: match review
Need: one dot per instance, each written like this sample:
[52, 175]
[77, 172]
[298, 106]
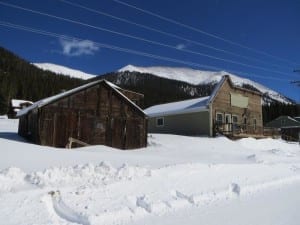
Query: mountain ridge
[196, 77]
[187, 75]
[63, 70]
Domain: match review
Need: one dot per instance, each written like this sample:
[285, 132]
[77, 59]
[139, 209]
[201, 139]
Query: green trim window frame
[160, 122]
[219, 118]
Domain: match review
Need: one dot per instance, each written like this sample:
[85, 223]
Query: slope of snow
[196, 77]
[64, 70]
[176, 180]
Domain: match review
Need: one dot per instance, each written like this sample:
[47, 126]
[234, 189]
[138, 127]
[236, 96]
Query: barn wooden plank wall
[96, 115]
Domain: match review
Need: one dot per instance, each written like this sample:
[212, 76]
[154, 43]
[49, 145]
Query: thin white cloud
[77, 48]
[181, 46]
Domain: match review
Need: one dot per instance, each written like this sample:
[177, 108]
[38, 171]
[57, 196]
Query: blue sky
[270, 26]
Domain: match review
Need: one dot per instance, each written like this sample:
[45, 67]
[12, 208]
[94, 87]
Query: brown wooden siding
[96, 115]
[137, 98]
[222, 104]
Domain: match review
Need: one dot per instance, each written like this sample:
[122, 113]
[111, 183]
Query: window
[239, 100]
[245, 121]
[219, 118]
[160, 122]
[254, 124]
[234, 119]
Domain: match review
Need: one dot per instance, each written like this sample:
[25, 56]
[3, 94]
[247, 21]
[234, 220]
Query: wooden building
[95, 113]
[230, 110]
[291, 133]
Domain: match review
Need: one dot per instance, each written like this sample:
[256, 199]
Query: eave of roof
[287, 127]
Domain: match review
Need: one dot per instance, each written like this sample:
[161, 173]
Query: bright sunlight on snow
[175, 180]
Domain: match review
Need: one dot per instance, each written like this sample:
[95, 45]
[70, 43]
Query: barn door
[86, 127]
[46, 129]
[118, 132]
[133, 134]
[60, 130]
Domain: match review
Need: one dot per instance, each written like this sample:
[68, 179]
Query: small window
[245, 121]
[160, 122]
[254, 124]
[234, 119]
[219, 118]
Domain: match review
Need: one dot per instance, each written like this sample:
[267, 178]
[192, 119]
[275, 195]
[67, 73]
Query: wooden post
[54, 130]
[71, 140]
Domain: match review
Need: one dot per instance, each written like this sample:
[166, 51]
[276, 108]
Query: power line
[138, 38]
[297, 82]
[166, 33]
[126, 50]
[203, 32]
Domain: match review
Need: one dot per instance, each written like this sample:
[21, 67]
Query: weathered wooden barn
[230, 110]
[95, 113]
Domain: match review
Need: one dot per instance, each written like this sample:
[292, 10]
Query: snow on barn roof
[186, 106]
[18, 102]
[48, 100]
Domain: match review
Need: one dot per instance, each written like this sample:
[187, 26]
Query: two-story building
[230, 110]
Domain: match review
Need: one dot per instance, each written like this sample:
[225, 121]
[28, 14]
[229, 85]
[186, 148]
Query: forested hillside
[20, 79]
[156, 89]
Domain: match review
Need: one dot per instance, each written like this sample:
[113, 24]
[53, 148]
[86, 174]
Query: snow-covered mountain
[64, 70]
[187, 75]
[197, 77]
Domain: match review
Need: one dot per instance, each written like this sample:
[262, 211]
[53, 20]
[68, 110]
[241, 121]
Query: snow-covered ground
[176, 180]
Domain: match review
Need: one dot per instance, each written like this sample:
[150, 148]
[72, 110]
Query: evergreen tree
[3, 105]
[21, 80]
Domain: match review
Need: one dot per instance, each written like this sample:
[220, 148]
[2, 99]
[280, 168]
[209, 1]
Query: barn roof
[51, 99]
